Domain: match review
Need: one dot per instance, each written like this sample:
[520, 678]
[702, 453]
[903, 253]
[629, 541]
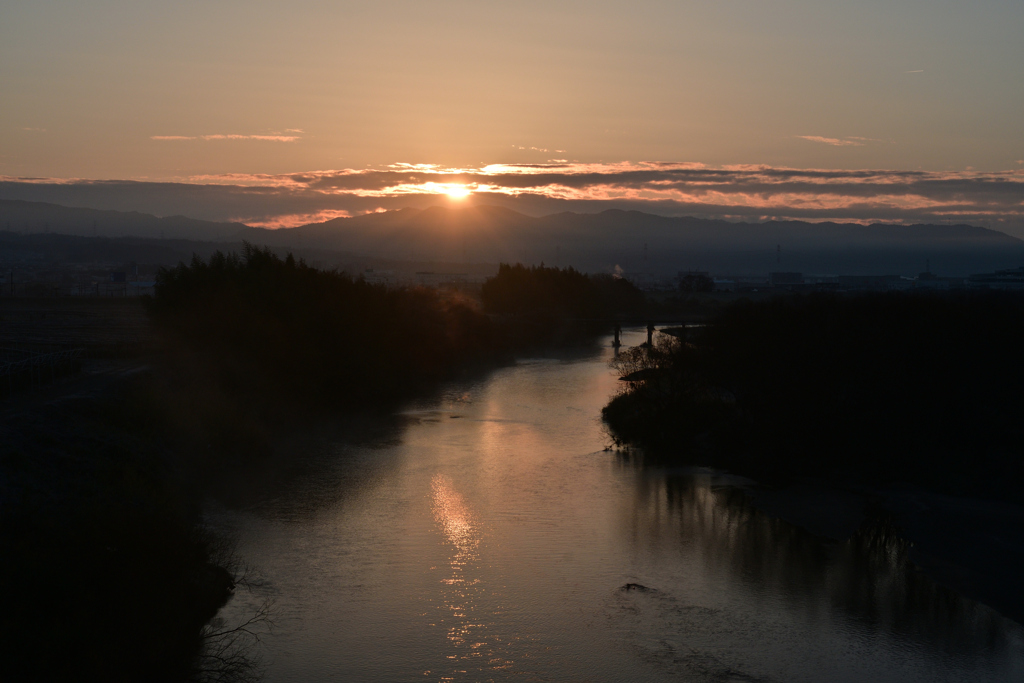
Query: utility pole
[778, 253]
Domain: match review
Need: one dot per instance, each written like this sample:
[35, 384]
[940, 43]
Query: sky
[278, 113]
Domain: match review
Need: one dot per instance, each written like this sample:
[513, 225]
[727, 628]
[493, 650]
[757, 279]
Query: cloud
[538, 149]
[915, 71]
[230, 136]
[291, 220]
[739, 192]
[268, 138]
[836, 142]
[35, 130]
[854, 137]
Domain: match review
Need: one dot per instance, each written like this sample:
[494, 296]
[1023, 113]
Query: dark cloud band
[748, 193]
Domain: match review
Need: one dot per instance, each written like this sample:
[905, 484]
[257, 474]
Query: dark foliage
[557, 292]
[894, 387]
[105, 572]
[276, 330]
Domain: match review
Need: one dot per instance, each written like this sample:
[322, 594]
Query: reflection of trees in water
[868, 577]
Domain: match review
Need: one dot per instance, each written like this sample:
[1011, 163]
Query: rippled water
[491, 536]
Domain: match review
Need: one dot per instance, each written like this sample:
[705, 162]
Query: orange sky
[205, 92]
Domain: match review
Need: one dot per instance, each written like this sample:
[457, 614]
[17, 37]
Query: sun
[458, 191]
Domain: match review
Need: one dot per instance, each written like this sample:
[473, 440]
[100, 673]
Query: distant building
[112, 288]
[740, 283]
[140, 287]
[874, 283]
[928, 280]
[1010, 279]
[782, 279]
[821, 283]
[695, 281]
[724, 285]
[379, 277]
[429, 278]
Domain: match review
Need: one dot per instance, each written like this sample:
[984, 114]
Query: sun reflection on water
[465, 631]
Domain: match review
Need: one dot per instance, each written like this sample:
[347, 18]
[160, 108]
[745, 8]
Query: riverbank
[254, 343]
[103, 474]
[95, 513]
[847, 409]
[488, 535]
[877, 390]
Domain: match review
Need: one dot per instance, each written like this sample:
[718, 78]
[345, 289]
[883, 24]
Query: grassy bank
[106, 572]
[909, 388]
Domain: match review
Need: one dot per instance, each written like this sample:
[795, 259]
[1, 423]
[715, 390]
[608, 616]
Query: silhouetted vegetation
[283, 331]
[106, 572]
[913, 388]
[256, 341]
[257, 336]
[558, 292]
[105, 560]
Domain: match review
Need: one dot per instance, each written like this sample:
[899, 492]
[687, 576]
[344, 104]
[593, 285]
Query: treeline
[283, 330]
[887, 387]
[100, 495]
[557, 292]
[279, 328]
[254, 339]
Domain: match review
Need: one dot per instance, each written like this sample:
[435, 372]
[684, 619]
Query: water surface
[493, 537]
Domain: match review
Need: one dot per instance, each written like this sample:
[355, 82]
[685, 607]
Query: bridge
[673, 325]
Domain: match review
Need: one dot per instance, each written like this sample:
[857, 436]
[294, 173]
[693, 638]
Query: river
[492, 536]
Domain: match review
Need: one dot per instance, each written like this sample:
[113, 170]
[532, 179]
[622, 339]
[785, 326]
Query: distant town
[34, 274]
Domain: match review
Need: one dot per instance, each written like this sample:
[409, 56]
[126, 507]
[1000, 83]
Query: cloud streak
[835, 142]
[746, 192]
[232, 136]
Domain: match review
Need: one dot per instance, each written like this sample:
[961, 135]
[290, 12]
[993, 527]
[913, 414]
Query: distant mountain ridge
[630, 240]
[38, 217]
[642, 242]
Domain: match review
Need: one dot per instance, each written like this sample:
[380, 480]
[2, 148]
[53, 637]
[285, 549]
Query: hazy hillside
[16, 248]
[634, 241]
[599, 242]
[38, 217]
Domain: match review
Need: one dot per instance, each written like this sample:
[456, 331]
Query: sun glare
[458, 191]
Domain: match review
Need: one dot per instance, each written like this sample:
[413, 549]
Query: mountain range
[632, 241]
